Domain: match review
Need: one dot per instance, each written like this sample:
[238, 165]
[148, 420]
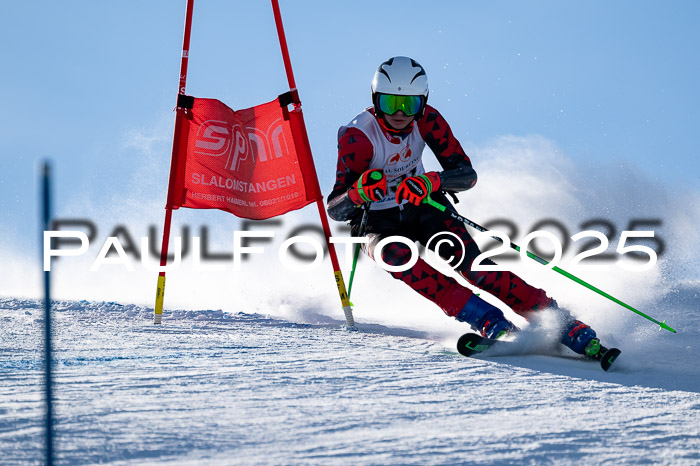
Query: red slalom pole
[174, 164]
[347, 307]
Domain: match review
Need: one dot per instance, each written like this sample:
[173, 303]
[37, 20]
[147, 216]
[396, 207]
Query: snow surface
[213, 387]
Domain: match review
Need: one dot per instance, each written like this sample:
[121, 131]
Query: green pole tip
[664, 326]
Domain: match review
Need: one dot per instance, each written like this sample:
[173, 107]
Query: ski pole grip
[428, 200]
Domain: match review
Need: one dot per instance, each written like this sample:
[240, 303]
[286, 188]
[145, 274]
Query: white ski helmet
[400, 76]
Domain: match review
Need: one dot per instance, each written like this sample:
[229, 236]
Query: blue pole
[45, 222]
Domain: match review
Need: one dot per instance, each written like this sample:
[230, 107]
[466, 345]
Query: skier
[380, 168]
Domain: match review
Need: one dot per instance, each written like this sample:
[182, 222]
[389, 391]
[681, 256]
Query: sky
[611, 86]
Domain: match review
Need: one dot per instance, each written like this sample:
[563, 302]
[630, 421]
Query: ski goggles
[408, 104]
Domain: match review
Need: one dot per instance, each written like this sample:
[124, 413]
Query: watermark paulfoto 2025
[120, 248]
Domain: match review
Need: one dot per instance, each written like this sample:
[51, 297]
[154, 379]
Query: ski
[608, 358]
[470, 344]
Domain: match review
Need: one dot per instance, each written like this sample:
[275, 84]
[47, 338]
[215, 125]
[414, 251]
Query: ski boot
[486, 318]
[583, 340]
[606, 356]
[577, 336]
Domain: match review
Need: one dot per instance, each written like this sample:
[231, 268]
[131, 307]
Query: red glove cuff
[354, 196]
[434, 178]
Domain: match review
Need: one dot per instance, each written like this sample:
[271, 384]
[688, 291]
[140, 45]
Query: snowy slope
[268, 376]
[238, 388]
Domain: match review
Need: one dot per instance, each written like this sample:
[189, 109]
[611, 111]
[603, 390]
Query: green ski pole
[476, 226]
[356, 254]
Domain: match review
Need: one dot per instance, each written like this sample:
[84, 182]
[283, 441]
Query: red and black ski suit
[361, 147]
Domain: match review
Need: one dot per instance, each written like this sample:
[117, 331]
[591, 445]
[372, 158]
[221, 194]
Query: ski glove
[415, 189]
[371, 187]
